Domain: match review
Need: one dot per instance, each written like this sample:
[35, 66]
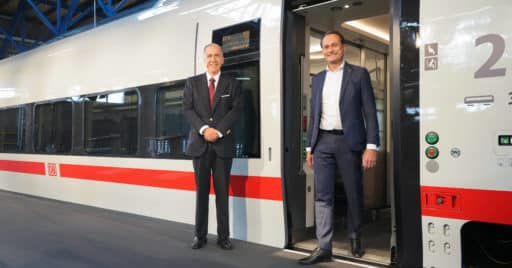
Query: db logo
[51, 169]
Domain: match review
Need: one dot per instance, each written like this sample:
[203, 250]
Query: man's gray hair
[213, 45]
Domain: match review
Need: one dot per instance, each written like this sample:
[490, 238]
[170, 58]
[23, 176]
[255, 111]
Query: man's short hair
[342, 39]
[211, 45]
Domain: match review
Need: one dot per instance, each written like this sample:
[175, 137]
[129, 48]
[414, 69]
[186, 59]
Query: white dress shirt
[330, 118]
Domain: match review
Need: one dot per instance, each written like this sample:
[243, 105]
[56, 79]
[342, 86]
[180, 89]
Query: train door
[365, 25]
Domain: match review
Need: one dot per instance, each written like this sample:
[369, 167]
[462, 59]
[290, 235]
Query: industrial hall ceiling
[25, 24]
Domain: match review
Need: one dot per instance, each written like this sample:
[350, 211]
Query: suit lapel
[318, 100]
[347, 72]
[221, 87]
[203, 93]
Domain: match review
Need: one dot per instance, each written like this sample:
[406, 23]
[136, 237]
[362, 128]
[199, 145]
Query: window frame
[84, 150]
[34, 119]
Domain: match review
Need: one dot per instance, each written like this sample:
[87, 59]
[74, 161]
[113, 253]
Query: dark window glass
[52, 131]
[11, 130]
[240, 39]
[171, 128]
[247, 130]
[111, 123]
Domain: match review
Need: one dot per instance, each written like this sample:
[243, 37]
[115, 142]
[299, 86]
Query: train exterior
[96, 119]
[110, 64]
[465, 139]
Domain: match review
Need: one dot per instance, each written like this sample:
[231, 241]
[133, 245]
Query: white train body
[466, 100]
[139, 50]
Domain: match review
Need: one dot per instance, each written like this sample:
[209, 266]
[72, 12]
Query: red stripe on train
[467, 204]
[240, 186]
[23, 167]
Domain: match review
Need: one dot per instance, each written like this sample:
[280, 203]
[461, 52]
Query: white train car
[107, 160]
[96, 119]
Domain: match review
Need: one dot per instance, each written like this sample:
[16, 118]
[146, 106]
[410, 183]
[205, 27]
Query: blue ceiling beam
[120, 5]
[43, 17]
[20, 10]
[52, 3]
[107, 8]
[67, 22]
[58, 17]
[10, 39]
[15, 35]
[84, 13]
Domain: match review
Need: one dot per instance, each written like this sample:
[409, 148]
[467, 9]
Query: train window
[11, 130]
[171, 127]
[52, 127]
[111, 123]
[247, 130]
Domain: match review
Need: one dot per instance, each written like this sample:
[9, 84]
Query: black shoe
[225, 244]
[318, 255]
[198, 243]
[356, 248]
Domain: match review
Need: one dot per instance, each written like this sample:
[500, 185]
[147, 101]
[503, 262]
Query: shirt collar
[340, 68]
[216, 77]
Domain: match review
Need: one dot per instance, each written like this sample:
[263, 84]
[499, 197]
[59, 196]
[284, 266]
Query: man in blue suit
[342, 139]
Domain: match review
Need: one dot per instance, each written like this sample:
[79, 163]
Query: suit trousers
[204, 166]
[333, 156]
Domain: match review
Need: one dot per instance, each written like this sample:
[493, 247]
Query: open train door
[392, 231]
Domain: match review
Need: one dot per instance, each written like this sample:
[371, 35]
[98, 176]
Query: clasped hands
[211, 134]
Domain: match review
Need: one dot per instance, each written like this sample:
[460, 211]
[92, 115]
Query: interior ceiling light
[346, 6]
[368, 29]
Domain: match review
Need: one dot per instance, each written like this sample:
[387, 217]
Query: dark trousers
[333, 156]
[204, 166]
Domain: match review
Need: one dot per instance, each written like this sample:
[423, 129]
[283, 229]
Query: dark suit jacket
[226, 111]
[357, 107]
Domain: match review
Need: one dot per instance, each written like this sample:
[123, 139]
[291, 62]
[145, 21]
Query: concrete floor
[42, 233]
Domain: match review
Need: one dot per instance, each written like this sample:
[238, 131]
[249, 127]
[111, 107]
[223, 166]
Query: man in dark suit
[342, 139]
[212, 105]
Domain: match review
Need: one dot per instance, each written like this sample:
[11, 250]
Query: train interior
[366, 27]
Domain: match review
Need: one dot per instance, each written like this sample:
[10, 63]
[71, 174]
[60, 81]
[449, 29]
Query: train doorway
[366, 27]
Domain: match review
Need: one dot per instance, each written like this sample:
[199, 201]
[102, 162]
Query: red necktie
[211, 90]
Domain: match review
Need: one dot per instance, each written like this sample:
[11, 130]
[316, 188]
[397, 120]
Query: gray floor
[42, 233]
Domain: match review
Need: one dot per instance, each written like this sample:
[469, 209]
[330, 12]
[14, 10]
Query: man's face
[333, 49]
[213, 59]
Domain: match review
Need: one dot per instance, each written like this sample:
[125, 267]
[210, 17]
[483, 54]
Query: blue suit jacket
[357, 108]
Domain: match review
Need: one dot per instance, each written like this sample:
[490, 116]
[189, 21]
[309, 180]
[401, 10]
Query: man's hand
[369, 159]
[309, 159]
[211, 135]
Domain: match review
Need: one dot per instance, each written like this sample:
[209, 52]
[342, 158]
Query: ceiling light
[368, 29]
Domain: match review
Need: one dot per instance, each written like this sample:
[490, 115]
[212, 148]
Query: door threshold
[343, 256]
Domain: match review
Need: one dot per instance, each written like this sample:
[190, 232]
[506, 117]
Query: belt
[333, 131]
